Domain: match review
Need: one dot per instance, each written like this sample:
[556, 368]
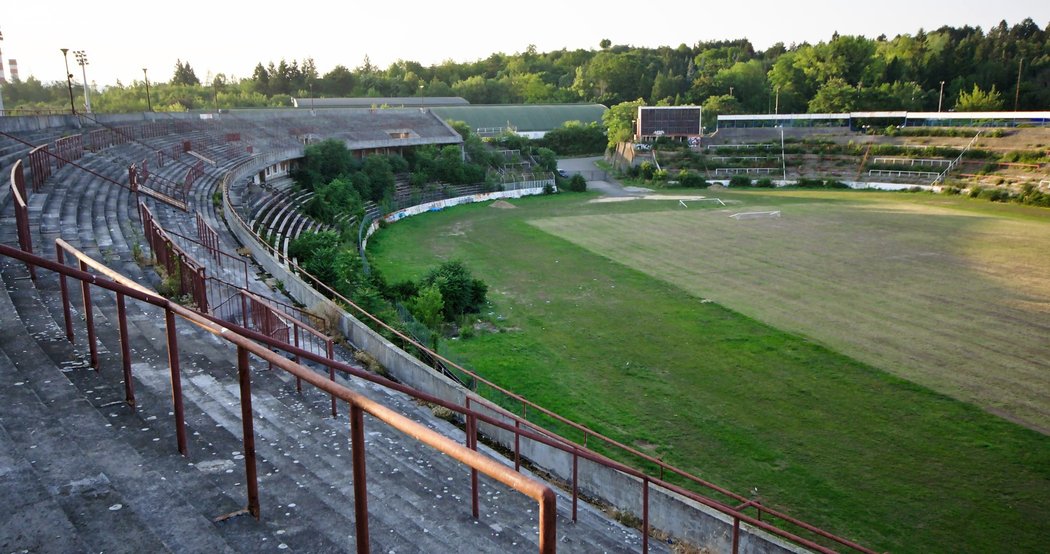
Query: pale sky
[121, 37]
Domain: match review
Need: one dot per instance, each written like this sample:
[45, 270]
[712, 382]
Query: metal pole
[472, 443]
[1017, 95]
[575, 481]
[357, 446]
[83, 61]
[69, 80]
[645, 514]
[60, 257]
[251, 476]
[176, 383]
[125, 351]
[783, 157]
[776, 109]
[89, 319]
[940, 98]
[149, 103]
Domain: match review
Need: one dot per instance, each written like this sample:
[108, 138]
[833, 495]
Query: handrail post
[89, 319]
[251, 477]
[176, 382]
[298, 381]
[472, 443]
[125, 351]
[736, 535]
[575, 484]
[645, 515]
[517, 445]
[357, 445]
[60, 257]
[331, 377]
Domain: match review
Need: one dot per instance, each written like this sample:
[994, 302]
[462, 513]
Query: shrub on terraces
[689, 179]
[740, 181]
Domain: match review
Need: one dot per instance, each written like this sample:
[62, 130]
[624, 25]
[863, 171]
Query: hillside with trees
[981, 69]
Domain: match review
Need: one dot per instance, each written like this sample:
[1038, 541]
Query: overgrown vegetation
[440, 298]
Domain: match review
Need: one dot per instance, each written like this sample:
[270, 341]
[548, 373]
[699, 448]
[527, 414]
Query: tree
[979, 100]
[428, 307]
[605, 43]
[619, 121]
[719, 105]
[184, 74]
[460, 291]
[836, 96]
[322, 162]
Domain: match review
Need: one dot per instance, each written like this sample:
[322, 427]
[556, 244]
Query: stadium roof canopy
[523, 118]
[902, 118]
[378, 101]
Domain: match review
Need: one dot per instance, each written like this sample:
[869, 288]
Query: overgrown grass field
[845, 360]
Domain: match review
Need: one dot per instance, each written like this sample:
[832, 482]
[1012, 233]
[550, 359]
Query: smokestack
[13, 64]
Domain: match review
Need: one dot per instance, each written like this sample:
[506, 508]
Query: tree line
[1008, 64]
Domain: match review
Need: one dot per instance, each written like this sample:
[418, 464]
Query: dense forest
[1005, 67]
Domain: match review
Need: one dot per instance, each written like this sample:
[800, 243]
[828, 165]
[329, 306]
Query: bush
[647, 170]
[688, 179]
[577, 183]
[764, 182]
[460, 291]
[660, 175]
[740, 181]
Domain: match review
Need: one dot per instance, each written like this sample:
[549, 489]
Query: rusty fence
[39, 166]
[230, 302]
[723, 500]
[210, 239]
[183, 276]
[90, 273]
[21, 201]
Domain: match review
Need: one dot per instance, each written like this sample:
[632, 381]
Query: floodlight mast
[69, 80]
[149, 103]
[83, 61]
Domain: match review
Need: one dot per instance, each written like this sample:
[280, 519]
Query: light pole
[776, 107]
[149, 103]
[1017, 95]
[1, 84]
[730, 91]
[69, 80]
[941, 97]
[420, 97]
[83, 61]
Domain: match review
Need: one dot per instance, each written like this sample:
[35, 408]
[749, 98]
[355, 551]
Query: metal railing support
[89, 319]
[125, 351]
[251, 477]
[472, 443]
[60, 257]
[176, 383]
[357, 445]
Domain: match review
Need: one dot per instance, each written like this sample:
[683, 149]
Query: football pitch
[957, 302]
[843, 361]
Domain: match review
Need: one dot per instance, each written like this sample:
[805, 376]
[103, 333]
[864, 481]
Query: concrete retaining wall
[683, 518]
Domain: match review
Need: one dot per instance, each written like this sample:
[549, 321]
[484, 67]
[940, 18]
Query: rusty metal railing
[180, 268]
[18, 194]
[358, 404]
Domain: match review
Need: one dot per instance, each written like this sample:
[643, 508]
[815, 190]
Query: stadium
[173, 378]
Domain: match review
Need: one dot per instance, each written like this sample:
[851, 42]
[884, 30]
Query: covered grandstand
[379, 101]
[529, 120]
[857, 120]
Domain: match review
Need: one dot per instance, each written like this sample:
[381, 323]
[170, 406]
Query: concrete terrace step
[418, 500]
